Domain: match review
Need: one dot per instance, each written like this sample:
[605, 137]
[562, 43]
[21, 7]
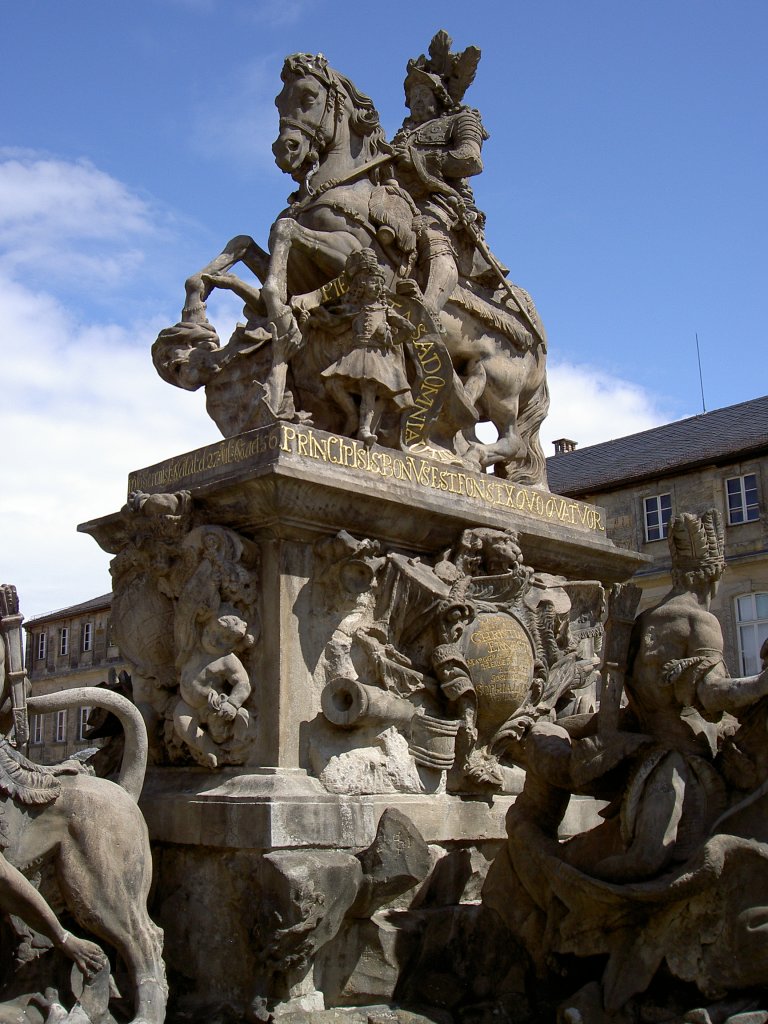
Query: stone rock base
[280, 900]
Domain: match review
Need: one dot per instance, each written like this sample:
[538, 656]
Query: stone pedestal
[243, 925]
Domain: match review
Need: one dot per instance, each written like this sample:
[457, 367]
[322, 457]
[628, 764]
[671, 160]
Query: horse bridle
[317, 134]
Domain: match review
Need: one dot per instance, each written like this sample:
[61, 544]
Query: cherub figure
[214, 686]
[374, 365]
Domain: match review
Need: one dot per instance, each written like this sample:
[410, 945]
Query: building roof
[732, 433]
[95, 604]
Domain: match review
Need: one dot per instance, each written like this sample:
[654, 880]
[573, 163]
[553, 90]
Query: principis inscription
[348, 453]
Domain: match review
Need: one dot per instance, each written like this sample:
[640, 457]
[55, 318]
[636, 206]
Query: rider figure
[437, 149]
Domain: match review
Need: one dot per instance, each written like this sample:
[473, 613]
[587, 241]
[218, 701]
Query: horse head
[322, 111]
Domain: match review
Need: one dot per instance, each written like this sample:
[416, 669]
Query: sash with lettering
[434, 373]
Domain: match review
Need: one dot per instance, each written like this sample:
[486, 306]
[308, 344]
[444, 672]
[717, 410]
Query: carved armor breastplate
[434, 133]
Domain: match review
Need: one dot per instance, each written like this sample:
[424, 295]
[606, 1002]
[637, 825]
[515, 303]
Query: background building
[64, 649]
[718, 459]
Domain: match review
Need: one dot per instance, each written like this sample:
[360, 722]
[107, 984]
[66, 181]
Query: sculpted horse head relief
[321, 111]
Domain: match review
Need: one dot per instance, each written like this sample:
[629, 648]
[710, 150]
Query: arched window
[752, 624]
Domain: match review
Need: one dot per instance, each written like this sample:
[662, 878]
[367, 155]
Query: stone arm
[337, 322]
[704, 674]
[463, 159]
[459, 158]
[718, 692]
[18, 896]
[238, 680]
[403, 330]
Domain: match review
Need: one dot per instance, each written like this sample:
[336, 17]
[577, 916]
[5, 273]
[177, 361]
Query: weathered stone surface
[672, 885]
[396, 323]
[386, 767]
[396, 861]
[92, 832]
[465, 959]
[342, 620]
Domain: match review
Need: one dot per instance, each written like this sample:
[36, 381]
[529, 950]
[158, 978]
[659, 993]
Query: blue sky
[624, 183]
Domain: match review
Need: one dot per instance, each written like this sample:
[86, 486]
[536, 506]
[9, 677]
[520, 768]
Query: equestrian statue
[443, 343]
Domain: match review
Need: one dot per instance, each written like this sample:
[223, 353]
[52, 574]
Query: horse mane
[365, 120]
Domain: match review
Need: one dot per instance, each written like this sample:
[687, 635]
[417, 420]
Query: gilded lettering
[333, 442]
[318, 448]
[348, 453]
[289, 435]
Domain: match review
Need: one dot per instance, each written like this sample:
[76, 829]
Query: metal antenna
[701, 379]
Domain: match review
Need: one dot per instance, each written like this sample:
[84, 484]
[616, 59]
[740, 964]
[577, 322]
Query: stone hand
[227, 711]
[401, 153]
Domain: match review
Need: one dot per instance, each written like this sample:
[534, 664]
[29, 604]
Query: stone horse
[331, 143]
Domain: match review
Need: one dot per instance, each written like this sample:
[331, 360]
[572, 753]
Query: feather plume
[689, 537]
[712, 522]
[440, 53]
[696, 540]
[463, 73]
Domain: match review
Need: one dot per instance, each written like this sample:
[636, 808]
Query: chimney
[563, 445]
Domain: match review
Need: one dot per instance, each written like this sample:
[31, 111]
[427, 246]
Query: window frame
[37, 732]
[41, 646]
[754, 624]
[87, 636]
[60, 731]
[745, 509]
[82, 723]
[659, 510]
[63, 641]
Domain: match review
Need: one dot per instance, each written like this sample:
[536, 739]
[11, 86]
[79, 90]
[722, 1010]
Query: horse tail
[134, 763]
[532, 468]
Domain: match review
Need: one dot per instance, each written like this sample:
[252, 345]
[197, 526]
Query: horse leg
[240, 248]
[328, 248]
[503, 413]
[275, 289]
[509, 445]
[475, 380]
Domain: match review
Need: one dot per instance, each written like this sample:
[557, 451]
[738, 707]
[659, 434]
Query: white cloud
[70, 221]
[83, 406]
[589, 406]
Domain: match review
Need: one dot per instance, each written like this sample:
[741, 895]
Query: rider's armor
[445, 152]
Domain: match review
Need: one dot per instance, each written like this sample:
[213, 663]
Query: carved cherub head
[366, 277]
[222, 634]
